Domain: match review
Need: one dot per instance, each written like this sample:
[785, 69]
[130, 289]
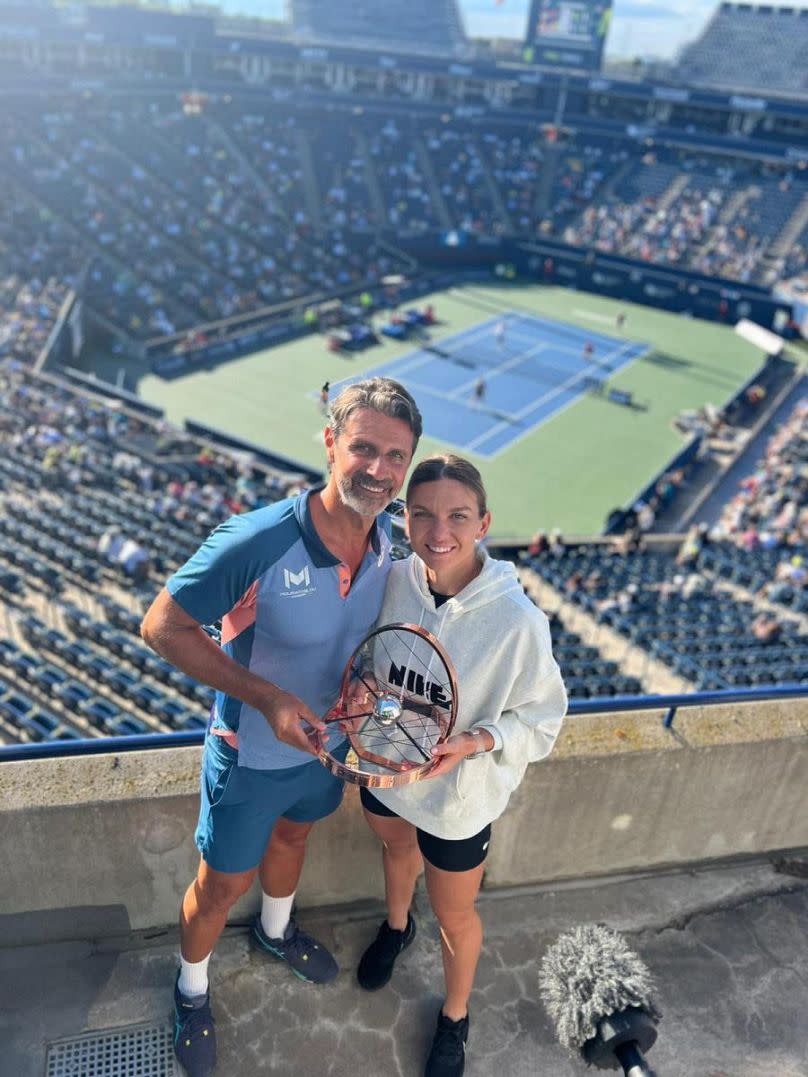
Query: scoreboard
[567, 33]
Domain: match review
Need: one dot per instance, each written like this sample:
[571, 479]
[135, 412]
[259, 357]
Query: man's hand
[361, 695]
[287, 716]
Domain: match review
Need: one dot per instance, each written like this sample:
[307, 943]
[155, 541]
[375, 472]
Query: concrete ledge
[104, 844]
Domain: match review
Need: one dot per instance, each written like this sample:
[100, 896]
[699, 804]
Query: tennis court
[483, 389]
[567, 464]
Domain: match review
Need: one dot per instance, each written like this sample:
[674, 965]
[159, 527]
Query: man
[297, 585]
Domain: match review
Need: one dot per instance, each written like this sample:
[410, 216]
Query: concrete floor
[728, 947]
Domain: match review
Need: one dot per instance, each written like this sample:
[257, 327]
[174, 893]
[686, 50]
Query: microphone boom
[598, 993]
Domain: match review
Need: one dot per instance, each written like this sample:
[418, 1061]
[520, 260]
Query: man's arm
[181, 640]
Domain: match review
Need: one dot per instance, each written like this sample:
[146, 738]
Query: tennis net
[523, 365]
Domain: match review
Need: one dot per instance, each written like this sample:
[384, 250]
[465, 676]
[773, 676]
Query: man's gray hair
[381, 394]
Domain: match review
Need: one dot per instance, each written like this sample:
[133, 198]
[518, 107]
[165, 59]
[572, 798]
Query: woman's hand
[456, 749]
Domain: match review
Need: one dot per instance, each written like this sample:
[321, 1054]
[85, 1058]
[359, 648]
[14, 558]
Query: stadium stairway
[717, 480]
[311, 192]
[371, 179]
[428, 170]
[743, 594]
[97, 252]
[783, 243]
[728, 213]
[673, 191]
[547, 178]
[494, 193]
[632, 660]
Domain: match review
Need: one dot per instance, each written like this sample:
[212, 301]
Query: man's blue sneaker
[194, 1034]
[306, 957]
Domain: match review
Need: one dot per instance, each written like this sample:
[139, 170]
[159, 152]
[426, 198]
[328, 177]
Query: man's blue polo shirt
[288, 609]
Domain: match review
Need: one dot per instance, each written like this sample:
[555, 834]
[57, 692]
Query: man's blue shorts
[240, 806]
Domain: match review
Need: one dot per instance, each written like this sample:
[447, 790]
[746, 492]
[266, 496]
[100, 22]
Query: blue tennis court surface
[483, 389]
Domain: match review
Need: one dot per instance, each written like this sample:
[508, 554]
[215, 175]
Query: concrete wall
[103, 845]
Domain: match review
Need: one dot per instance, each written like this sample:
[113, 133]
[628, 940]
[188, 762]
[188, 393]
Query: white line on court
[412, 362]
[526, 410]
[532, 430]
[503, 368]
[593, 316]
[466, 336]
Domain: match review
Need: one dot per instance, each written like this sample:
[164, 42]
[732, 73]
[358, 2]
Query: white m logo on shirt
[296, 579]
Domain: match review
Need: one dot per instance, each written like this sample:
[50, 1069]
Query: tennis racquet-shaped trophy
[398, 699]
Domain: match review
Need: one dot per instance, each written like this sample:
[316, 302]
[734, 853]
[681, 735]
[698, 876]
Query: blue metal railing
[607, 705]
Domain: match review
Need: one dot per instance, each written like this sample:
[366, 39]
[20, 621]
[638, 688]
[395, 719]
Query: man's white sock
[193, 979]
[275, 914]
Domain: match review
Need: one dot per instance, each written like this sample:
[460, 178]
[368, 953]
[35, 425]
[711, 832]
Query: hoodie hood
[497, 578]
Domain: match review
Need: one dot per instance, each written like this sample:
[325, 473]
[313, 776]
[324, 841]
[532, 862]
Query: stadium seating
[515, 162]
[684, 618]
[717, 217]
[409, 205]
[750, 47]
[39, 261]
[172, 245]
[462, 180]
[75, 664]
[587, 675]
[769, 509]
[185, 220]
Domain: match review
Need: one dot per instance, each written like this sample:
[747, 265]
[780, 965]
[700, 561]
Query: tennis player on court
[512, 701]
[499, 334]
[296, 585]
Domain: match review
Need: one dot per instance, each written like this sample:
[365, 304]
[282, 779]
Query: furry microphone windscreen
[588, 974]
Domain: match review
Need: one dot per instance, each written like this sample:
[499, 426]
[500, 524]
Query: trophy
[398, 700]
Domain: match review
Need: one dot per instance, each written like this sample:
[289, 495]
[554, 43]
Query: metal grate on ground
[134, 1051]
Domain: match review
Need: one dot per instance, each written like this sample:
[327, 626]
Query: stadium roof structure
[427, 27]
[758, 48]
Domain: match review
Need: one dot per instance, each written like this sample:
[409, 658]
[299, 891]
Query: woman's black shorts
[443, 853]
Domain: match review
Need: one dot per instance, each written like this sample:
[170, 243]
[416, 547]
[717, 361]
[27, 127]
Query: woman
[511, 703]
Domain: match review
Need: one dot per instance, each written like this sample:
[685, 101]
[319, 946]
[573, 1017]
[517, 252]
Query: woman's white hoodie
[508, 683]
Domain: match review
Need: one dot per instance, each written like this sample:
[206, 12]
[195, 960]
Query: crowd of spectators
[409, 206]
[771, 506]
[78, 445]
[186, 219]
[464, 181]
[640, 227]
[39, 262]
[583, 169]
[761, 539]
[795, 260]
[716, 219]
[178, 227]
[28, 312]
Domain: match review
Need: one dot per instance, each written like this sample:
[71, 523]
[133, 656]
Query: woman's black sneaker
[376, 966]
[447, 1057]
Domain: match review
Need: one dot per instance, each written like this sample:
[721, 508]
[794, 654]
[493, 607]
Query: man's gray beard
[356, 502]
